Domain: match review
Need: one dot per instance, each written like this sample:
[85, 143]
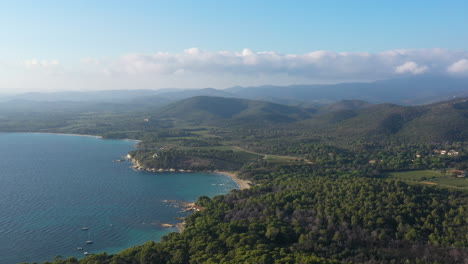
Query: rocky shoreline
[242, 184]
[187, 207]
[138, 167]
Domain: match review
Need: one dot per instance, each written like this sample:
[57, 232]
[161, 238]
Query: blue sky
[66, 32]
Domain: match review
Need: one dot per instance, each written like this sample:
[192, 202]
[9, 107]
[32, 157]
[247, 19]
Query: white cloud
[35, 63]
[313, 65]
[459, 67]
[411, 67]
[197, 68]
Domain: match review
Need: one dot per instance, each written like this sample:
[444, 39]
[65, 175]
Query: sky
[100, 45]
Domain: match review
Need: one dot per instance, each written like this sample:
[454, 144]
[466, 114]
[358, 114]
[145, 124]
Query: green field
[252, 155]
[461, 183]
[281, 159]
[432, 178]
[421, 175]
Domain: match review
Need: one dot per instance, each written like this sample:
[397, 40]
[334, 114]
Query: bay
[53, 185]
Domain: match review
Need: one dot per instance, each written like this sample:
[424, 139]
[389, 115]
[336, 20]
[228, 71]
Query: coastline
[63, 134]
[243, 184]
[180, 226]
[78, 135]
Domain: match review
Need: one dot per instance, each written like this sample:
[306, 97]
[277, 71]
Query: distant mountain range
[429, 109]
[345, 119]
[404, 91]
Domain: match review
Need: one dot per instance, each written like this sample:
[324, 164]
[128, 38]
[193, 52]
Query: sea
[52, 186]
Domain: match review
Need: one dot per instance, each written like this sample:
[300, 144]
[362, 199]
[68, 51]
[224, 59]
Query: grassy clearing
[281, 159]
[452, 182]
[254, 155]
[247, 154]
[422, 175]
[205, 133]
[430, 177]
[276, 158]
[222, 148]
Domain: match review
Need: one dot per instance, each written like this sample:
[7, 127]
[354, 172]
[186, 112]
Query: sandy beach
[243, 184]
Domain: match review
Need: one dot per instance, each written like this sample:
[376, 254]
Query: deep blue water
[52, 185]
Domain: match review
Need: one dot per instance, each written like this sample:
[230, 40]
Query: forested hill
[345, 105]
[313, 217]
[340, 121]
[349, 119]
[221, 110]
[444, 121]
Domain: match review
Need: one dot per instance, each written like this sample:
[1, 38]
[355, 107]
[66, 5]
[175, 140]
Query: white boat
[79, 248]
[86, 253]
[84, 228]
[89, 241]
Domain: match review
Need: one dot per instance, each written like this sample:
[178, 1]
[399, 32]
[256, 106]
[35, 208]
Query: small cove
[52, 185]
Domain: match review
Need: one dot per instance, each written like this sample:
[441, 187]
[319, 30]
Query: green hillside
[376, 121]
[351, 119]
[341, 121]
[346, 105]
[442, 121]
[219, 110]
[446, 121]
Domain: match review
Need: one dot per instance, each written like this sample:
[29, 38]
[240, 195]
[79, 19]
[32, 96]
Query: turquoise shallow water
[52, 185]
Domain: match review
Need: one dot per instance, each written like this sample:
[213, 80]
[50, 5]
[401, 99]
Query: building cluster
[447, 152]
[459, 173]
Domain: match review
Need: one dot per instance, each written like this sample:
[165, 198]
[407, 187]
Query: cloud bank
[459, 67]
[197, 68]
[317, 64]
